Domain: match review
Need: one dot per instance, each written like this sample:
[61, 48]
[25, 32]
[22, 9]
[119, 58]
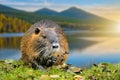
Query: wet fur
[37, 51]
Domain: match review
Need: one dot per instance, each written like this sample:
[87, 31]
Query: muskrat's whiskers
[48, 52]
[42, 51]
[38, 47]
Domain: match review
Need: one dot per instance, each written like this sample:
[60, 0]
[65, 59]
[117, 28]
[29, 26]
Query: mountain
[8, 9]
[69, 14]
[46, 11]
[70, 18]
[74, 12]
[31, 17]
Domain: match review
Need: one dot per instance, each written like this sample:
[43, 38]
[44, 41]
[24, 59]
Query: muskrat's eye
[37, 31]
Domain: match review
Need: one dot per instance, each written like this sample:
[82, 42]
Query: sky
[109, 9]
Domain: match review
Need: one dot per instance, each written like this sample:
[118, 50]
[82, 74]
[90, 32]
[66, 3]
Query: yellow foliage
[12, 24]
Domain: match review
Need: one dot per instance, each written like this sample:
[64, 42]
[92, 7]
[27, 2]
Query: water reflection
[10, 54]
[10, 47]
[10, 42]
[84, 50]
[87, 59]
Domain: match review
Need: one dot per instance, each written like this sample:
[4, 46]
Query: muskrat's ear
[37, 31]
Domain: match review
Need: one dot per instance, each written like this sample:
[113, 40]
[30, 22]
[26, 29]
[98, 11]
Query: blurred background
[92, 27]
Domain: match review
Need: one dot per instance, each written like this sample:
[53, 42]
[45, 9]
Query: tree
[12, 24]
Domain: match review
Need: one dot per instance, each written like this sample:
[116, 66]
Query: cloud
[46, 3]
[34, 6]
[107, 11]
[28, 6]
[22, 3]
[3, 0]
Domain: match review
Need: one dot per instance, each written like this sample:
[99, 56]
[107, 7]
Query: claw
[54, 59]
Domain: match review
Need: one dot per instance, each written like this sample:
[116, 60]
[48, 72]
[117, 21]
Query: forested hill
[10, 24]
[46, 11]
[72, 18]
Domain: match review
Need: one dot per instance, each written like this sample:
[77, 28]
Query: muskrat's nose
[55, 45]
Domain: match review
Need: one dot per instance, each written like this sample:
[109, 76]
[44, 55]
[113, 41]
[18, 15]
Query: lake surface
[86, 48]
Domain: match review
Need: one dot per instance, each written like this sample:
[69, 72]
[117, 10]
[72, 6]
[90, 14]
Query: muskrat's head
[44, 38]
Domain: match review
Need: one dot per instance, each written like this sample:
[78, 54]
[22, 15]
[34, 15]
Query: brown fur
[30, 39]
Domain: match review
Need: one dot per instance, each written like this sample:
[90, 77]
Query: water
[86, 48]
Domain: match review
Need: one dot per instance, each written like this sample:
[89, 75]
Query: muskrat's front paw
[41, 67]
[54, 59]
[51, 61]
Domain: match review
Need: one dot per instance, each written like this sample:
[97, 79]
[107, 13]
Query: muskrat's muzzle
[55, 47]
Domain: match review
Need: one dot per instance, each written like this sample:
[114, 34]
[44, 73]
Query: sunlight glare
[117, 28]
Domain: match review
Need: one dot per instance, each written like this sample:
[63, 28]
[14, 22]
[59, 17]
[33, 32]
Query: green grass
[104, 71]
[17, 70]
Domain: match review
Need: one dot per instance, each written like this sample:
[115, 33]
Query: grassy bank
[17, 70]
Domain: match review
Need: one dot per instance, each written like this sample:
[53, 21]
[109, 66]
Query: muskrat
[44, 45]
